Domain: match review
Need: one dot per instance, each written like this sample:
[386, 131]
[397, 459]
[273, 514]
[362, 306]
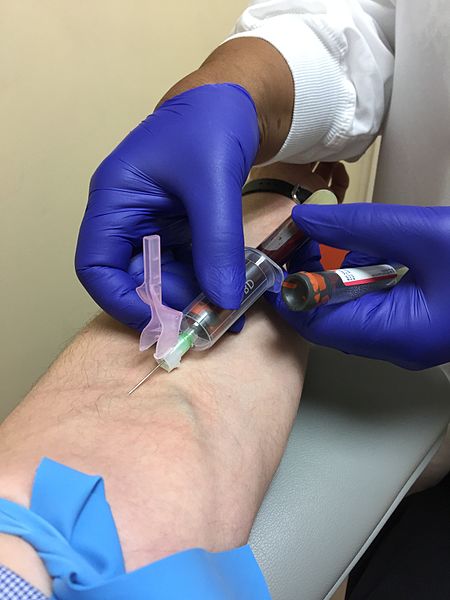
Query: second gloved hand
[408, 325]
[179, 174]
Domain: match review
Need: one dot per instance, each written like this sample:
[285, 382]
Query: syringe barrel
[210, 322]
[304, 291]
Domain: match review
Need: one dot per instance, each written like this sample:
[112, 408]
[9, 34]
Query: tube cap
[304, 291]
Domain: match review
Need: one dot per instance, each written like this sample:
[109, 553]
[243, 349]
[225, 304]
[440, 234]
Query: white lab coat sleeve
[341, 55]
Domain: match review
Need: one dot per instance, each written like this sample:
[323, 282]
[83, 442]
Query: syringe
[203, 322]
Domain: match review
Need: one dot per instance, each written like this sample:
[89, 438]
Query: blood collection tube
[304, 291]
[286, 238]
[283, 241]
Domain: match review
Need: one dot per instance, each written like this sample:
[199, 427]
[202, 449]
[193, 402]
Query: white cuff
[325, 99]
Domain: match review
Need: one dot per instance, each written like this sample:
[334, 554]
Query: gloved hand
[178, 174]
[408, 325]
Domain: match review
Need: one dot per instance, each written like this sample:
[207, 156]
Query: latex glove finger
[306, 258]
[358, 259]
[375, 229]
[238, 326]
[179, 286]
[213, 200]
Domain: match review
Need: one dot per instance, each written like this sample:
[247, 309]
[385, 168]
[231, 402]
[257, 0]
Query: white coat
[361, 67]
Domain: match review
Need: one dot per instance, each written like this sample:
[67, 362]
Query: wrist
[260, 69]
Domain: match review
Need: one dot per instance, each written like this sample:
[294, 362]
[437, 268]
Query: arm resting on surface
[186, 459]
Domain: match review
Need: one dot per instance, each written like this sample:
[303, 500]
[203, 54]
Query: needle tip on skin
[138, 385]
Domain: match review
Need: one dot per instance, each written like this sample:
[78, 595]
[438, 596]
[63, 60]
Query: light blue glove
[178, 174]
[408, 325]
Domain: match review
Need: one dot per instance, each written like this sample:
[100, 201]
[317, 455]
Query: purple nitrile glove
[178, 174]
[408, 325]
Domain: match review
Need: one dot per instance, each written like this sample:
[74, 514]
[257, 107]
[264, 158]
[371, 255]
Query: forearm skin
[188, 457]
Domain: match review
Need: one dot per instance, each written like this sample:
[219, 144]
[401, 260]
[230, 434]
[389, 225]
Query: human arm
[341, 56]
[207, 437]
[185, 165]
[180, 174]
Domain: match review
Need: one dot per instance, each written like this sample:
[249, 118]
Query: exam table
[364, 433]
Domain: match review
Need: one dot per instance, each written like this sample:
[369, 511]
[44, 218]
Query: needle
[143, 380]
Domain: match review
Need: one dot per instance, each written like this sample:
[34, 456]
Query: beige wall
[75, 77]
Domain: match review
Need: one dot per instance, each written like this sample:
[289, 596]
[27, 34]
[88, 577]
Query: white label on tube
[372, 274]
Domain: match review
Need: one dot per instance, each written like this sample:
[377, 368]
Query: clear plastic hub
[209, 322]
